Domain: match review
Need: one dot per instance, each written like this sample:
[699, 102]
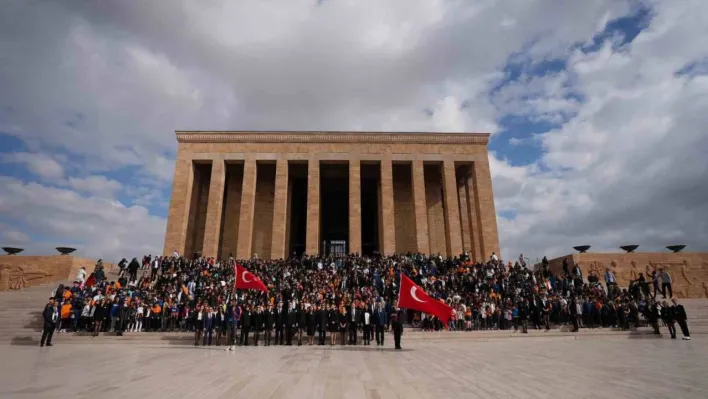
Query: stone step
[189, 339]
[408, 334]
[32, 330]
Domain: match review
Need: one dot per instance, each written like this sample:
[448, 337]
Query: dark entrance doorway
[370, 177]
[334, 208]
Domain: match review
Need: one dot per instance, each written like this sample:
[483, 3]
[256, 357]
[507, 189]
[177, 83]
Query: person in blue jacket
[380, 322]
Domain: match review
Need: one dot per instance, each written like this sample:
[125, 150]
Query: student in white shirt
[367, 326]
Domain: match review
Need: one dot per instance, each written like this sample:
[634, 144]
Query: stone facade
[232, 193]
[17, 272]
[688, 270]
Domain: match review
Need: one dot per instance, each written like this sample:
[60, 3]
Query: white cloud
[40, 164]
[14, 237]
[98, 227]
[97, 185]
[629, 168]
[107, 83]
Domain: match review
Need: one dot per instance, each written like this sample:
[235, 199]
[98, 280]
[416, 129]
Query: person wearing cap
[50, 317]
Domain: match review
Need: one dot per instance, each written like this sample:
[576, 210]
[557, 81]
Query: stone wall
[436, 211]
[17, 272]
[449, 228]
[263, 210]
[688, 270]
[404, 213]
[198, 210]
[232, 210]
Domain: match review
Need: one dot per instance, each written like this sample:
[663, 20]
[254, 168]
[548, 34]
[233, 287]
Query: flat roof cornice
[208, 136]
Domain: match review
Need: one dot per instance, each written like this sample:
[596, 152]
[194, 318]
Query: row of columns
[461, 219]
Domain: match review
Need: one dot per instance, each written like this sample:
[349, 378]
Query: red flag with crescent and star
[411, 296]
[248, 281]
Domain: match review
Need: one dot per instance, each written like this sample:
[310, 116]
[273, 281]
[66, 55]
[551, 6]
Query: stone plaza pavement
[512, 368]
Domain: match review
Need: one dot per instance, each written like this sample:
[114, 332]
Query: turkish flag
[248, 281]
[413, 297]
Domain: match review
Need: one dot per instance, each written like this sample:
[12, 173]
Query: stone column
[248, 201]
[280, 211]
[464, 215]
[486, 213]
[475, 251]
[312, 238]
[178, 215]
[421, 211]
[354, 206]
[215, 207]
[452, 212]
[388, 235]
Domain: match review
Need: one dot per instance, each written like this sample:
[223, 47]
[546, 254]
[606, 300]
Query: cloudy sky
[598, 109]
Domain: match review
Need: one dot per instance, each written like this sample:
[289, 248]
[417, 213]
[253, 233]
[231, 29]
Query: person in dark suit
[256, 323]
[99, 316]
[290, 325]
[209, 320]
[651, 312]
[269, 323]
[245, 325]
[524, 316]
[50, 315]
[389, 312]
[233, 317]
[321, 317]
[667, 316]
[397, 326]
[366, 322]
[279, 324]
[681, 317]
[574, 314]
[380, 323]
[333, 320]
[301, 323]
[353, 316]
[219, 324]
[343, 323]
[123, 316]
[310, 325]
[199, 324]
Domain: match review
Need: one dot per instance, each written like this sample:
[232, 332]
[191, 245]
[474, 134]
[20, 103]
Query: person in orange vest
[65, 314]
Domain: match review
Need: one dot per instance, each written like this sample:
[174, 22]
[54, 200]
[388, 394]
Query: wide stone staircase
[21, 324]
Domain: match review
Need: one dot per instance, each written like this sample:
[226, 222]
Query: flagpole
[400, 285]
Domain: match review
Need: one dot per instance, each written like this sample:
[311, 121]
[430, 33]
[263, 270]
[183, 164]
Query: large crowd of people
[344, 297]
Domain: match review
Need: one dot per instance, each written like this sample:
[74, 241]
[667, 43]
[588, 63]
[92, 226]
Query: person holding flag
[411, 296]
[245, 280]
